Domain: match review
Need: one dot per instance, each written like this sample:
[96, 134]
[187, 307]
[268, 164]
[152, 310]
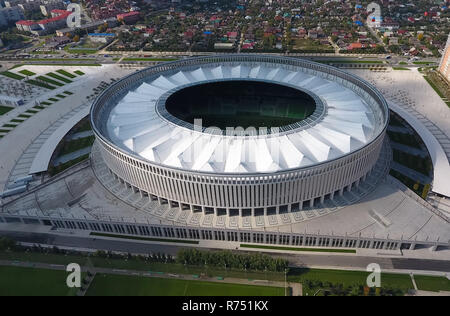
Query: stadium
[240, 135]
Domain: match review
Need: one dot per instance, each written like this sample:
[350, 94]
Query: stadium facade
[307, 154]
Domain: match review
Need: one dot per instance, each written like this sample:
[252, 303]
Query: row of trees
[231, 260]
[153, 257]
[7, 244]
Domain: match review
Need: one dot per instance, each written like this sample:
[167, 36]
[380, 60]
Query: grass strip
[40, 84]
[432, 283]
[298, 249]
[192, 242]
[12, 75]
[27, 72]
[5, 109]
[68, 64]
[65, 73]
[123, 285]
[58, 77]
[48, 80]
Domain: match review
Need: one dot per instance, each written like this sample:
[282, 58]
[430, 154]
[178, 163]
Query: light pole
[285, 282]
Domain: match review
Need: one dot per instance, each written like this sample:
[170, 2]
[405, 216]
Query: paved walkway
[14, 144]
[410, 96]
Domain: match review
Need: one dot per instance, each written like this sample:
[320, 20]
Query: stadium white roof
[348, 124]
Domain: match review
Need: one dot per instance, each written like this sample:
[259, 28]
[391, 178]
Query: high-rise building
[444, 66]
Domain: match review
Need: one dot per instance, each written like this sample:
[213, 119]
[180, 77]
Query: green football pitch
[111, 285]
[19, 281]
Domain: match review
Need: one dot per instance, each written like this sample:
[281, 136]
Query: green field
[299, 249]
[5, 109]
[400, 68]
[79, 72]
[120, 285]
[432, 283]
[19, 281]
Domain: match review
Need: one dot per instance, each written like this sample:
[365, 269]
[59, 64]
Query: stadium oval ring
[296, 167]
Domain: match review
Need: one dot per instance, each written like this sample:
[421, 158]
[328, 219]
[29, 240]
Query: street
[300, 260]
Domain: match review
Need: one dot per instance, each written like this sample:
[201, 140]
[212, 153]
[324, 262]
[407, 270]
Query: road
[300, 260]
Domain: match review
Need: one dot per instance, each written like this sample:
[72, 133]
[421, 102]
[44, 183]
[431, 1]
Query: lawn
[51, 81]
[347, 278]
[79, 72]
[404, 139]
[77, 144]
[140, 264]
[12, 75]
[417, 163]
[27, 72]
[423, 62]
[431, 79]
[40, 84]
[58, 77]
[431, 283]
[5, 109]
[120, 285]
[19, 281]
[400, 68]
[65, 73]
[60, 168]
[299, 249]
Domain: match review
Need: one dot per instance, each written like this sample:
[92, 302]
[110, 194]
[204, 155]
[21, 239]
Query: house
[129, 17]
